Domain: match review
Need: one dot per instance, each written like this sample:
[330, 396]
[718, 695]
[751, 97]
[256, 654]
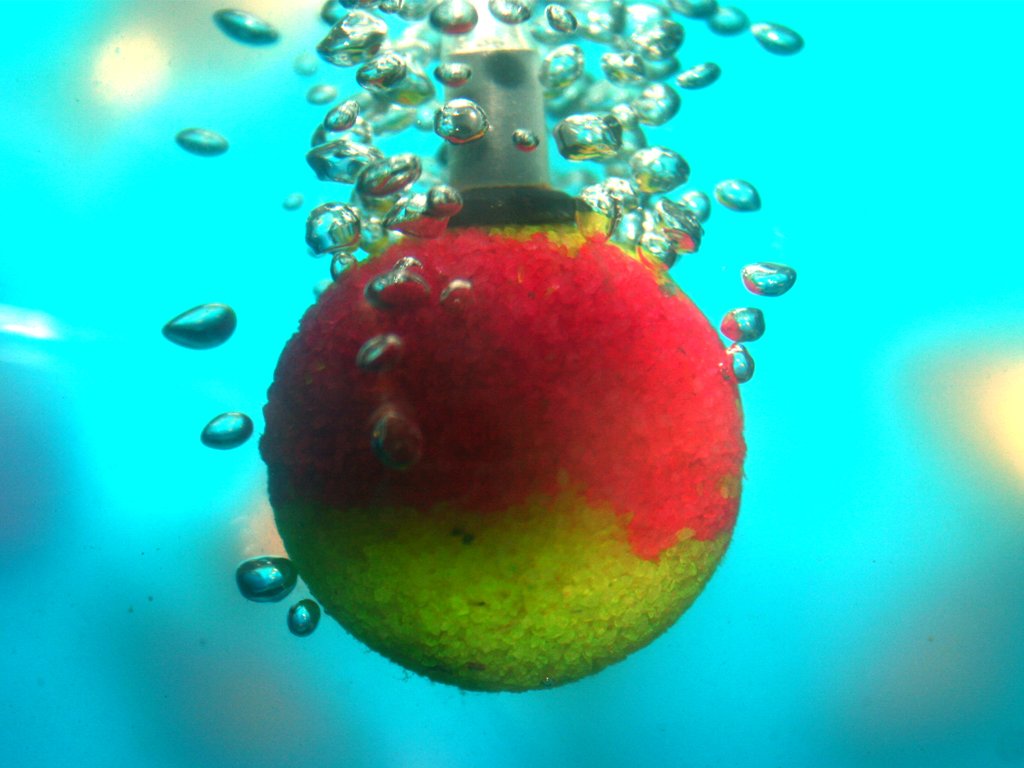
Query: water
[868, 612]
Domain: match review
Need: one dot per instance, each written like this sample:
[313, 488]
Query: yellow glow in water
[1002, 415]
[131, 70]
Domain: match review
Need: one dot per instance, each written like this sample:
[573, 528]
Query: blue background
[871, 608]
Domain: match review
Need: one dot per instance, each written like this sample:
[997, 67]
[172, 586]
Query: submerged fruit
[538, 483]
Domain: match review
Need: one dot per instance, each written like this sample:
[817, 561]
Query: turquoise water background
[871, 608]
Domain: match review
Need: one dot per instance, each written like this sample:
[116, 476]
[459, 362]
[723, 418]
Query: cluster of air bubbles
[269, 579]
[610, 72]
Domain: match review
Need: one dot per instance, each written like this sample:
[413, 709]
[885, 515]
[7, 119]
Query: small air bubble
[453, 17]
[460, 121]
[510, 11]
[382, 72]
[321, 94]
[396, 441]
[342, 117]
[228, 430]
[202, 327]
[332, 227]
[700, 76]
[266, 579]
[303, 618]
[776, 38]
[453, 74]
[380, 353]
[341, 263]
[728, 21]
[390, 176]
[588, 137]
[560, 19]
[768, 279]
[738, 195]
[743, 324]
[699, 203]
[741, 361]
[657, 104]
[355, 38]
[202, 142]
[658, 169]
[292, 202]
[457, 294]
[561, 68]
[305, 64]
[525, 140]
[658, 39]
[247, 28]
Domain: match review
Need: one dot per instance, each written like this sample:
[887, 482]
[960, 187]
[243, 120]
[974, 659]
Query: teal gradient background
[871, 608]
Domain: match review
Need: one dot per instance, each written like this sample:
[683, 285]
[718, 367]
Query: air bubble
[588, 137]
[741, 361]
[396, 441]
[623, 68]
[247, 28]
[728, 21]
[453, 74]
[561, 68]
[510, 11]
[525, 140]
[699, 203]
[397, 289]
[776, 38]
[292, 202]
[622, 192]
[341, 160]
[202, 142]
[602, 21]
[381, 72]
[768, 278]
[303, 618]
[679, 224]
[379, 354]
[342, 117]
[228, 430]
[658, 169]
[354, 39]
[453, 17]
[266, 579]
[657, 104]
[341, 263]
[743, 324]
[560, 19]
[694, 9]
[305, 64]
[597, 212]
[659, 248]
[700, 76]
[321, 94]
[658, 39]
[738, 195]
[332, 227]
[411, 216]
[443, 201]
[457, 294]
[202, 327]
[389, 176]
[460, 121]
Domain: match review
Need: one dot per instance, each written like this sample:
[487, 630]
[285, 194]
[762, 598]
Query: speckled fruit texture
[579, 443]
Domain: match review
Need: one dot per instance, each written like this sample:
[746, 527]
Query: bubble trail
[266, 579]
[202, 142]
[228, 430]
[202, 327]
[303, 618]
[246, 28]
